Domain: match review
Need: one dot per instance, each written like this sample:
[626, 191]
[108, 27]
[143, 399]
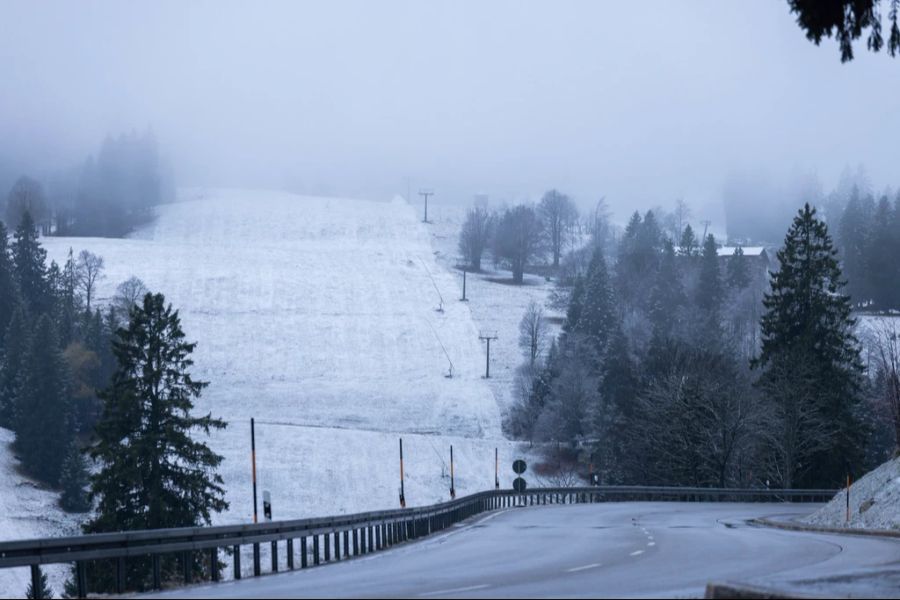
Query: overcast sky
[641, 103]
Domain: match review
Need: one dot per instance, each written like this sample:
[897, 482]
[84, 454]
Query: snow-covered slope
[874, 502]
[321, 313]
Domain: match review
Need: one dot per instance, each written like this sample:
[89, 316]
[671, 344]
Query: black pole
[464, 285]
[402, 495]
[253, 457]
[496, 469]
[452, 487]
[487, 362]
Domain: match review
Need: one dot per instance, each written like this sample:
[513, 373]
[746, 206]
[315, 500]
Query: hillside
[319, 318]
[874, 502]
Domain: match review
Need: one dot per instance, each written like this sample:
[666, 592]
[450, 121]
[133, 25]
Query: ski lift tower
[425, 192]
[487, 336]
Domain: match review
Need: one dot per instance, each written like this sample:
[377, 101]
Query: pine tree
[855, 231]
[43, 423]
[9, 292]
[16, 345]
[68, 302]
[597, 317]
[883, 277]
[667, 299]
[738, 270]
[688, 244]
[46, 592]
[710, 292]
[808, 346]
[30, 273]
[74, 481]
[573, 312]
[153, 473]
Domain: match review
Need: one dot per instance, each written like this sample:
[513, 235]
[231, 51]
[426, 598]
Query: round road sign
[519, 485]
[519, 467]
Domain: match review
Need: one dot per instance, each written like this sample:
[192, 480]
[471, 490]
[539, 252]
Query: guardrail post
[257, 568]
[120, 575]
[303, 557]
[371, 538]
[337, 545]
[327, 537]
[36, 587]
[315, 541]
[274, 556]
[378, 537]
[186, 566]
[157, 574]
[290, 553]
[213, 564]
[346, 544]
[236, 551]
[355, 542]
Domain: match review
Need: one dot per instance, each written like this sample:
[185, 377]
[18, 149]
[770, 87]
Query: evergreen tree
[153, 473]
[30, 273]
[808, 346]
[43, 417]
[597, 316]
[68, 302]
[573, 312]
[738, 270]
[16, 345]
[688, 244]
[74, 481]
[8, 288]
[883, 274]
[667, 299]
[855, 232]
[710, 292]
[46, 592]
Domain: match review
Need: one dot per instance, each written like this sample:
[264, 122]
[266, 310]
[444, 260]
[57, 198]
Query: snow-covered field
[319, 318]
[874, 502]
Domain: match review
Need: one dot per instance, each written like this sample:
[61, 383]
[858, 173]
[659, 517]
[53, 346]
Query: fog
[640, 104]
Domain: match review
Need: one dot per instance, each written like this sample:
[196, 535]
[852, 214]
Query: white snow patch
[874, 502]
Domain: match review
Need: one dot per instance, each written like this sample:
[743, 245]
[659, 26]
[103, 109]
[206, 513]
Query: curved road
[591, 550]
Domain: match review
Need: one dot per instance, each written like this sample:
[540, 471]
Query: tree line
[677, 366]
[108, 196]
[100, 400]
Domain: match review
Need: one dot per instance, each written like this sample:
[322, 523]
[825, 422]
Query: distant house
[759, 257]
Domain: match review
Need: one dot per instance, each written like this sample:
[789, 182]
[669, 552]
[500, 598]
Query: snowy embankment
[874, 502]
[319, 318]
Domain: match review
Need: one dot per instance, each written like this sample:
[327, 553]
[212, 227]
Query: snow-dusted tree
[475, 236]
[738, 270]
[688, 244]
[89, 269]
[518, 238]
[46, 591]
[30, 270]
[808, 347]
[43, 423]
[533, 332]
[9, 293]
[154, 471]
[558, 215]
[74, 481]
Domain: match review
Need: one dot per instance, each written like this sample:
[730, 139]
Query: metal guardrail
[336, 538]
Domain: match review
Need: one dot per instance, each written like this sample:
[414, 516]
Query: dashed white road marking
[583, 568]
[471, 588]
[651, 543]
[636, 552]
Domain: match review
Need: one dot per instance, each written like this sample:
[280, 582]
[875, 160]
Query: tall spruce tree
[709, 294]
[597, 316]
[29, 269]
[43, 421]
[688, 244]
[882, 272]
[854, 234]
[808, 346]
[16, 342]
[667, 299]
[738, 270]
[9, 289]
[74, 481]
[153, 472]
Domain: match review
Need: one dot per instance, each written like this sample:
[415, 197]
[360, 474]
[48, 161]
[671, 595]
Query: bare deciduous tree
[885, 347]
[89, 269]
[129, 294]
[533, 330]
[26, 195]
[558, 214]
[474, 236]
[518, 239]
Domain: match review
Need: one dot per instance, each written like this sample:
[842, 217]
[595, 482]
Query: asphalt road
[606, 550]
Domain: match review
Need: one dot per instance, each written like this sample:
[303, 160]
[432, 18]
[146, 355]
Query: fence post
[274, 556]
[157, 574]
[327, 537]
[36, 587]
[303, 551]
[257, 568]
[237, 561]
[290, 553]
[337, 545]
[315, 540]
[346, 543]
